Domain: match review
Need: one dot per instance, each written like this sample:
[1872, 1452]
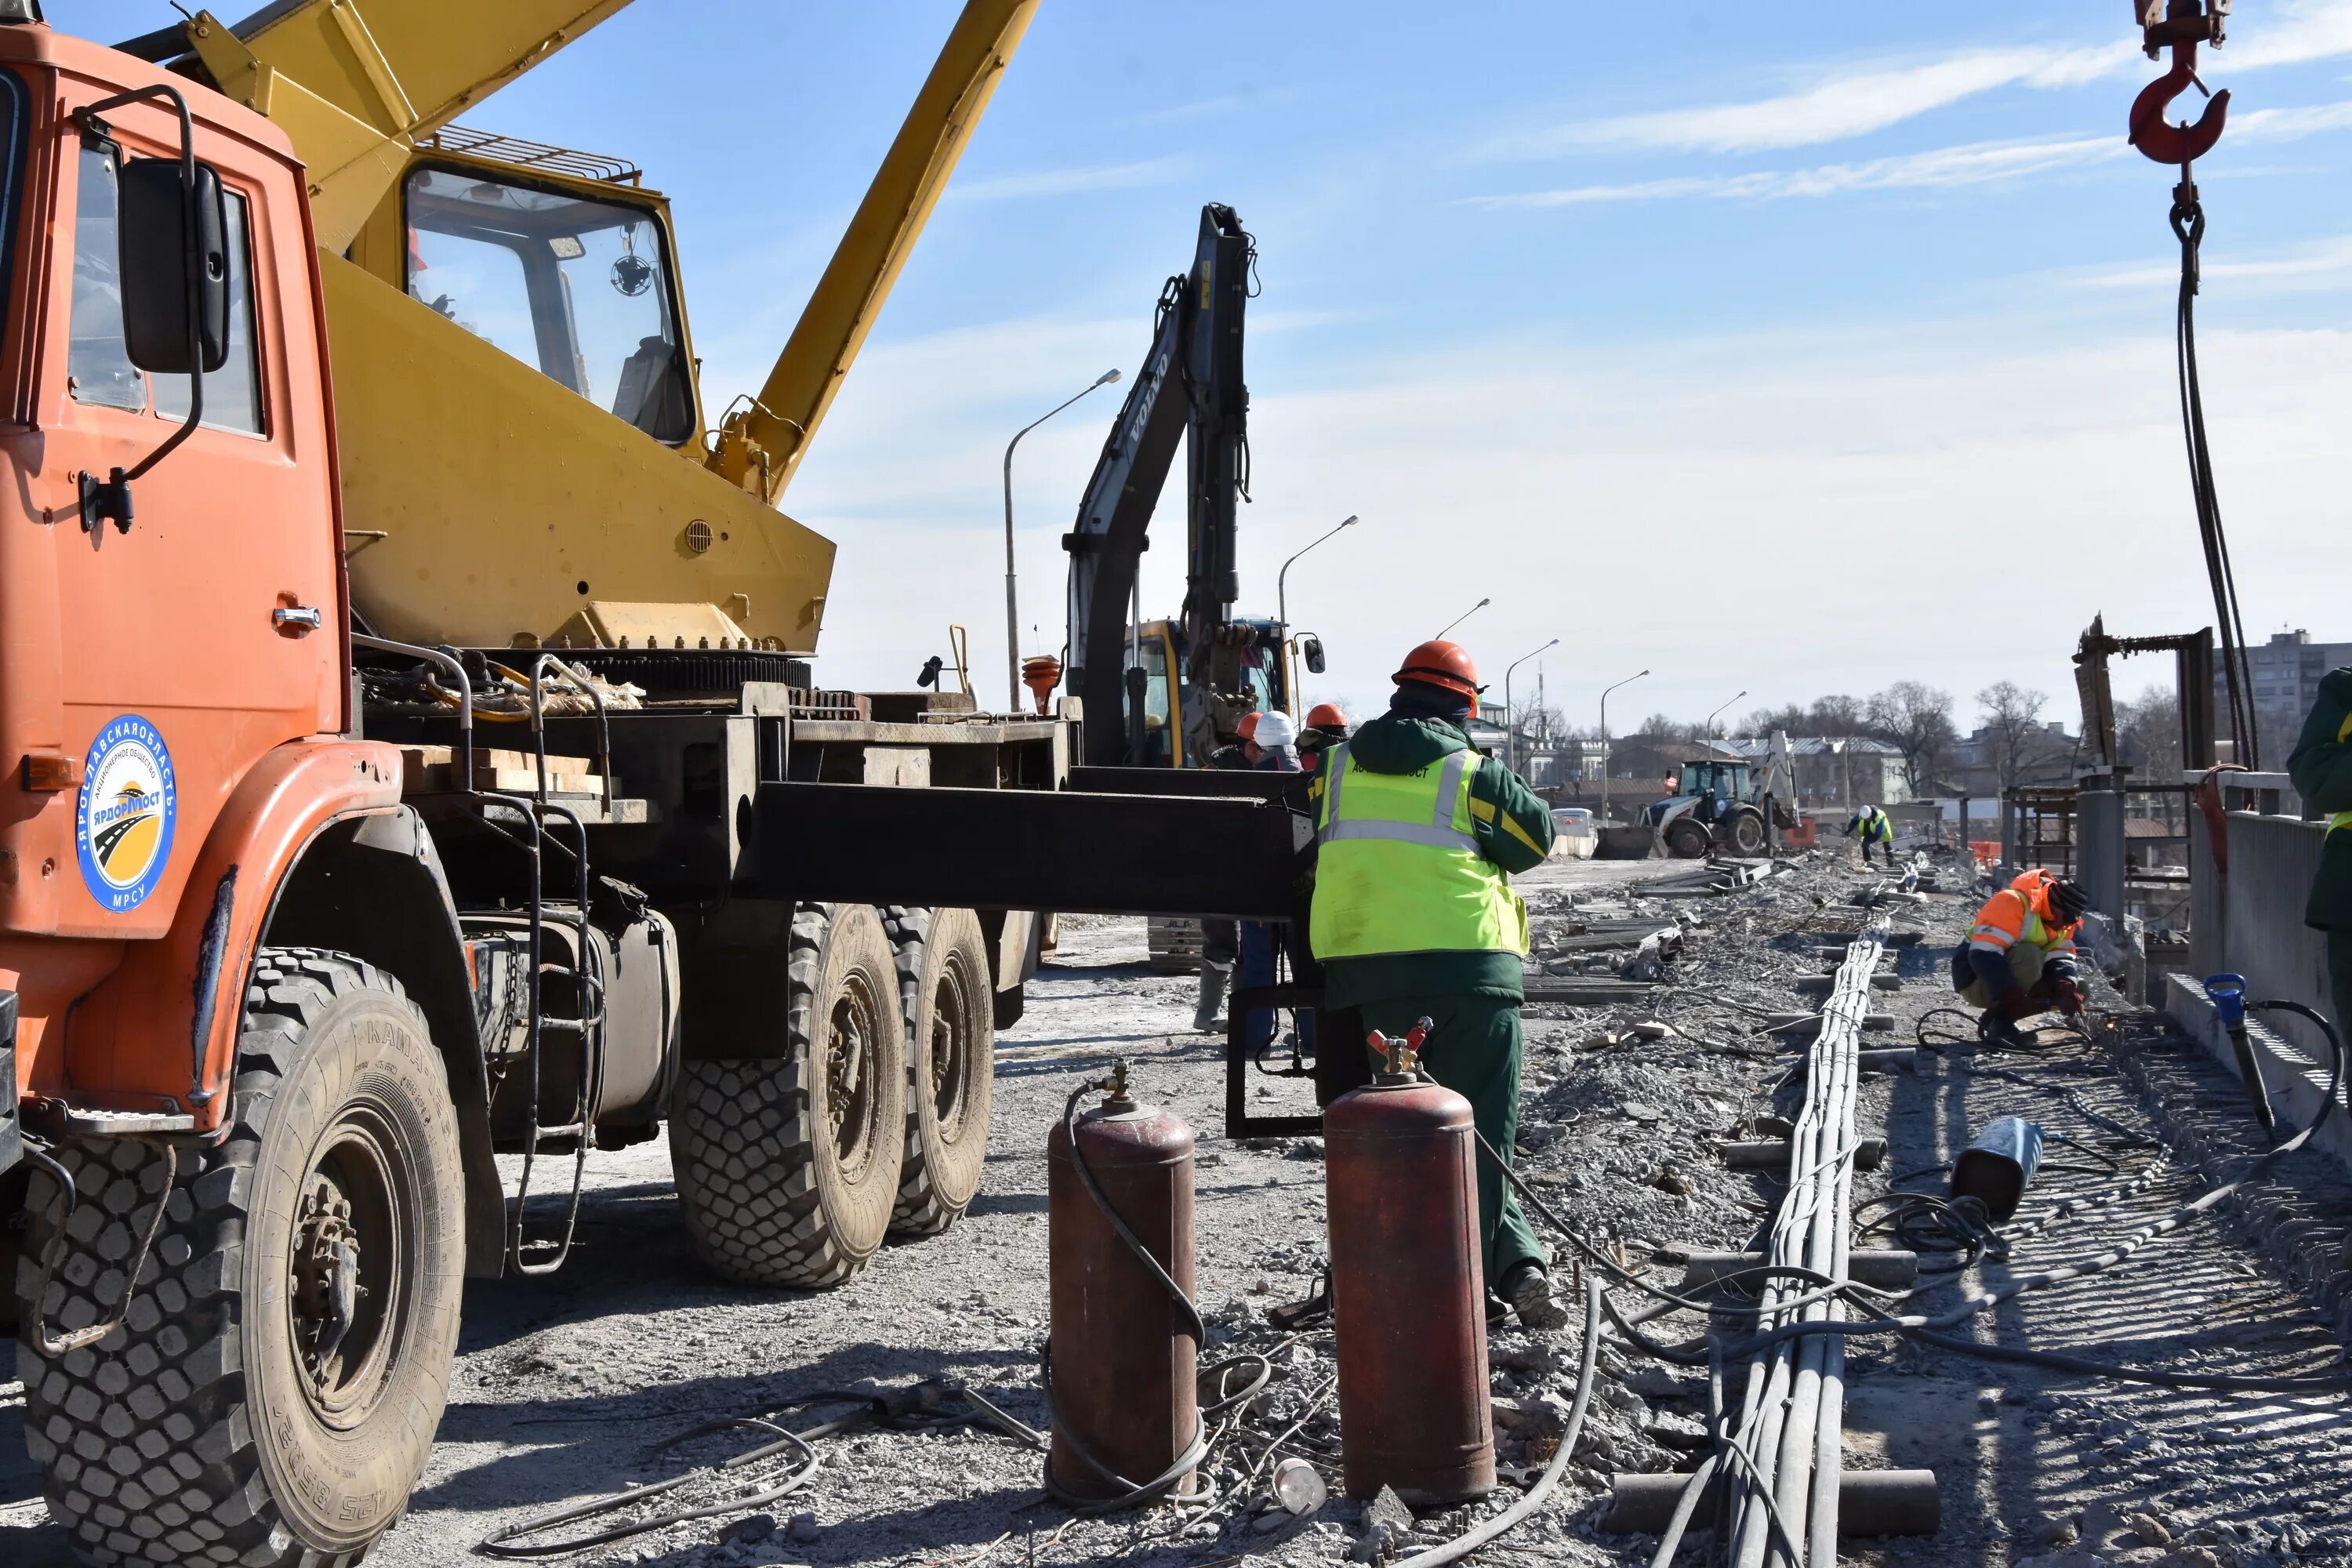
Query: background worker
[1327, 726]
[1260, 940]
[2018, 959]
[1414, 916]
[1221, 940]
[2321, 766]
[1874, 827]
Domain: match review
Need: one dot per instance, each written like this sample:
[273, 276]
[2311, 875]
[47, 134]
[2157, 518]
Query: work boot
[1213, 978]
[1528, 1290]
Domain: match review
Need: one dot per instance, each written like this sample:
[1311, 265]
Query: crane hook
[2185, 142]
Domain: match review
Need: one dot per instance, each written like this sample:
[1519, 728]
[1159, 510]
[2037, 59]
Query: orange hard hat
[1325, 716]
[1441, 663]
[1248, 726]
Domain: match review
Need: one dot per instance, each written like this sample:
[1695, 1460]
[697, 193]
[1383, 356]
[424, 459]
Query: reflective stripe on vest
[1400, 870]
[2342, 819]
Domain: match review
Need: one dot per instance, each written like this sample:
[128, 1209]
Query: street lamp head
[1639, 676]
[1107, 378]
[1350, 523]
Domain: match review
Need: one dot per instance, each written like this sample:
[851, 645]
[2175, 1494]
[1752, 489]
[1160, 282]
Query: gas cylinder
[1123, 1350]
[1408, 1287]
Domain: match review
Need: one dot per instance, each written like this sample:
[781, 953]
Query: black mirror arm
[111, 497]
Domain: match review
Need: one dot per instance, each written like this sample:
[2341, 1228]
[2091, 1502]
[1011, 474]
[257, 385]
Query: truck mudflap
[1078, 851]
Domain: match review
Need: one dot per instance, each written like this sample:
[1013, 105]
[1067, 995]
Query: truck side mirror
[1312, 650]
[163, 278]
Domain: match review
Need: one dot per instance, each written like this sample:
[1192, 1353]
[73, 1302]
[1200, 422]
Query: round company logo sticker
[123, 819]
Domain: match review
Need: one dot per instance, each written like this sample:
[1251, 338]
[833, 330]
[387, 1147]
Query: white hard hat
[1274, 732]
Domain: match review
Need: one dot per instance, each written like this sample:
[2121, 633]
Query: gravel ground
[564, 1384]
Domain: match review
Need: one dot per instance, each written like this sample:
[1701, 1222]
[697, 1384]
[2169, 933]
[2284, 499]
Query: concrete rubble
[565, 1385]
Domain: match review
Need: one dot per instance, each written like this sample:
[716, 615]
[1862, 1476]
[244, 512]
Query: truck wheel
[787, 1165]
[272, 1394]
[1748, 833]
[1687, 840]
[951, 1063]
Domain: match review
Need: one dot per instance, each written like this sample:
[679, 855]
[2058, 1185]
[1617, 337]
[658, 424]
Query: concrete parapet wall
[2250, 923]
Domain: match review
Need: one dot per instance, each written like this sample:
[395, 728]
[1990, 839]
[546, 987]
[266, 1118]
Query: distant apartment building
[2286, 672]
[1838, 770]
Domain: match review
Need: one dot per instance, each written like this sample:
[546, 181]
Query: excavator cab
[1183, 721]
[559, 258]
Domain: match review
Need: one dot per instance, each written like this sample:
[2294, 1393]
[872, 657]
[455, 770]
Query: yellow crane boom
[759, 448]
[356, 85]
[512, 489]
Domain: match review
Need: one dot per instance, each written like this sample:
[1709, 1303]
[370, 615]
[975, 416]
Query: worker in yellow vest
[1873, 826]
[1415, 917]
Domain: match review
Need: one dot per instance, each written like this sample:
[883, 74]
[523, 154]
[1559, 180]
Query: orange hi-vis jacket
[2022, 913]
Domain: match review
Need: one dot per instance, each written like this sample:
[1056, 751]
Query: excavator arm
[1191, 381]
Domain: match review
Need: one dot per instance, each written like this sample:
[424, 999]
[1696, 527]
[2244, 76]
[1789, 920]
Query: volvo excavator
[1177, 686]
[414, 756]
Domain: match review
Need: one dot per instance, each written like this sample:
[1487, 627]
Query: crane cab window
[97, 366]
[577, 288]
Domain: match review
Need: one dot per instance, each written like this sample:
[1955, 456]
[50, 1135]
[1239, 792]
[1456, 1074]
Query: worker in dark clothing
[1260, 940]
[1873, 826]
[2321, 766]
[1221, 940]
[1415, 917]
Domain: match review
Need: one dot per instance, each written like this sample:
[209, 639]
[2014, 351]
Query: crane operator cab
[555, 258]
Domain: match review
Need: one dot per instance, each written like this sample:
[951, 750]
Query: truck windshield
[578, 287]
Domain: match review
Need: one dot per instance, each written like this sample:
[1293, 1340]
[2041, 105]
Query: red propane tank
[1123, 1350]
[1408, 1292]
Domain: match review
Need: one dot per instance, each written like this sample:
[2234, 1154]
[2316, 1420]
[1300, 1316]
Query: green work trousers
[1474, 1049]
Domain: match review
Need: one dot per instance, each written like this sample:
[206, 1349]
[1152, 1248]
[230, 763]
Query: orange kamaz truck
[411, 755]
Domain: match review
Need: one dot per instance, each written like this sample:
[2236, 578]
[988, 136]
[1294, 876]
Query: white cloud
[1852, 103]
[1944, 166]
[2324, 264]
[1973, 163]
[1067, 182]
[1834, 487]
[1861, 100]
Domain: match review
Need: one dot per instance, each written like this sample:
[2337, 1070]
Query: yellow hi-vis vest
[1877, 828]
[2342, 819]
[1399, 869]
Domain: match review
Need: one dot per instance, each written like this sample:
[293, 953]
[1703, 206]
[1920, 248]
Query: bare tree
[1916, 720]
[1836, 715]
[2010, 712]
[1789, 718]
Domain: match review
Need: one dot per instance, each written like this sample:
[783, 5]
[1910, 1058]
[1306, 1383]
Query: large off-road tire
[272, 1395]
[1748, 833]
[943, 990]
[787, 1163]
[1687, 840]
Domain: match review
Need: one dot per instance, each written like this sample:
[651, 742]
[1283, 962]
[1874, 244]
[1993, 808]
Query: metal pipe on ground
[1874, 1502]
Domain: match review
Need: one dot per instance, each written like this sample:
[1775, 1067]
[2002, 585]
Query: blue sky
[1788, 351]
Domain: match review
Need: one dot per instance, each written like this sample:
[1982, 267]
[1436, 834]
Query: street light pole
[1011, 597]
[1710, 718]
[1462, 617]
[1510, 725]
[1282, 578]
[1604, 739]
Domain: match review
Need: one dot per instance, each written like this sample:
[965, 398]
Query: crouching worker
[2020, 957]
[1415, 917]
[1873, 826]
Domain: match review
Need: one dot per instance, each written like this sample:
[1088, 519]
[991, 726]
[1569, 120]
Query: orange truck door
[208, 630]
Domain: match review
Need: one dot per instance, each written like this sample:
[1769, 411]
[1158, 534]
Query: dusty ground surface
[564, 1384]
